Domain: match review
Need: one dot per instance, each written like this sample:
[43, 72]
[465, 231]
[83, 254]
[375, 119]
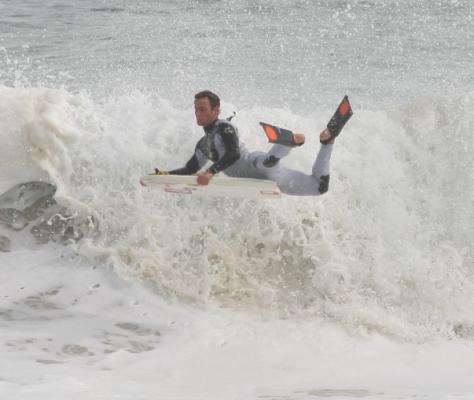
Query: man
[220, 144]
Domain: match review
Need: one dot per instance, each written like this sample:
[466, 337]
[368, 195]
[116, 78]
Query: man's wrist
[211, 170]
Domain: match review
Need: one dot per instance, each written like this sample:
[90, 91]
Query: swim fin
[279, 135]
[339, 119]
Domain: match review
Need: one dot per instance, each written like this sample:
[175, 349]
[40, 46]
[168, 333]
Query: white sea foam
[375, 253]
[117, 292]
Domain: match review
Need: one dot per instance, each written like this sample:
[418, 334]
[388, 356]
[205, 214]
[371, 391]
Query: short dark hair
[214, 100]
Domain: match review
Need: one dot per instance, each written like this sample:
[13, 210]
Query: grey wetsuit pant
[290, 181]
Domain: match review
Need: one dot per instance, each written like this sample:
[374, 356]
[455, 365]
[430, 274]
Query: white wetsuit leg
[295, 182]
[252, 165]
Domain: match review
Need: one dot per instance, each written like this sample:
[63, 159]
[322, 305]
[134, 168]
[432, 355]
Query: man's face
[205, 114]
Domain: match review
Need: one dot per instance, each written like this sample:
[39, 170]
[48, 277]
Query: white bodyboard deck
[219, 186]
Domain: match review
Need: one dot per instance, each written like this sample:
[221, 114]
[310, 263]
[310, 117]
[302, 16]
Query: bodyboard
[219, 186]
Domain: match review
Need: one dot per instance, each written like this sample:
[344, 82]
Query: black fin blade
[278, 135]
[340, 117]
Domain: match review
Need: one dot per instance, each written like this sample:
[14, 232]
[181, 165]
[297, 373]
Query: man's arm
[232, 150]
[191, 167]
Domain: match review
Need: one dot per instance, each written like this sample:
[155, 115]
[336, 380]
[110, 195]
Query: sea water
[112, 291]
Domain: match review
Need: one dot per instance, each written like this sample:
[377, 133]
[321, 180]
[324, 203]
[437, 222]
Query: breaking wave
[388, 249]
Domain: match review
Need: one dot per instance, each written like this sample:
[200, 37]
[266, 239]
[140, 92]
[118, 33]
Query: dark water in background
[297, 54]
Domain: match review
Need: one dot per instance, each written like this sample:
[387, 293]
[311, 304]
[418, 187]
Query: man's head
[207, 107]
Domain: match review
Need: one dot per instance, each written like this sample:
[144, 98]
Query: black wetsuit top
[220, 144]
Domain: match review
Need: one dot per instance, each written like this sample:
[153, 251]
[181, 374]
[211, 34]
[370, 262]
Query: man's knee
[323, 184]
[270, 162]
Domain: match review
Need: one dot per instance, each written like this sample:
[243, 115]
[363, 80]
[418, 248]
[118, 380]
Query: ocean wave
[387, 249]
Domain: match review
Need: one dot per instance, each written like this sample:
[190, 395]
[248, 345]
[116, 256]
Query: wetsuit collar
[211, 126]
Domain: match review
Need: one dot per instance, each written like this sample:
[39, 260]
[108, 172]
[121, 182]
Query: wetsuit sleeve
[191, 167]
[232, 150]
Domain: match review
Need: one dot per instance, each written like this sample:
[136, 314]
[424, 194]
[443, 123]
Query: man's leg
[299, 184]
[278, 151]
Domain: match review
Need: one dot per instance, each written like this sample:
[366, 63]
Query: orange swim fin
[279, 135]
[339, 119]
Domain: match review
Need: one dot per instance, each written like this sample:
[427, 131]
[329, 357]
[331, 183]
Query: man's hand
[204, 178]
